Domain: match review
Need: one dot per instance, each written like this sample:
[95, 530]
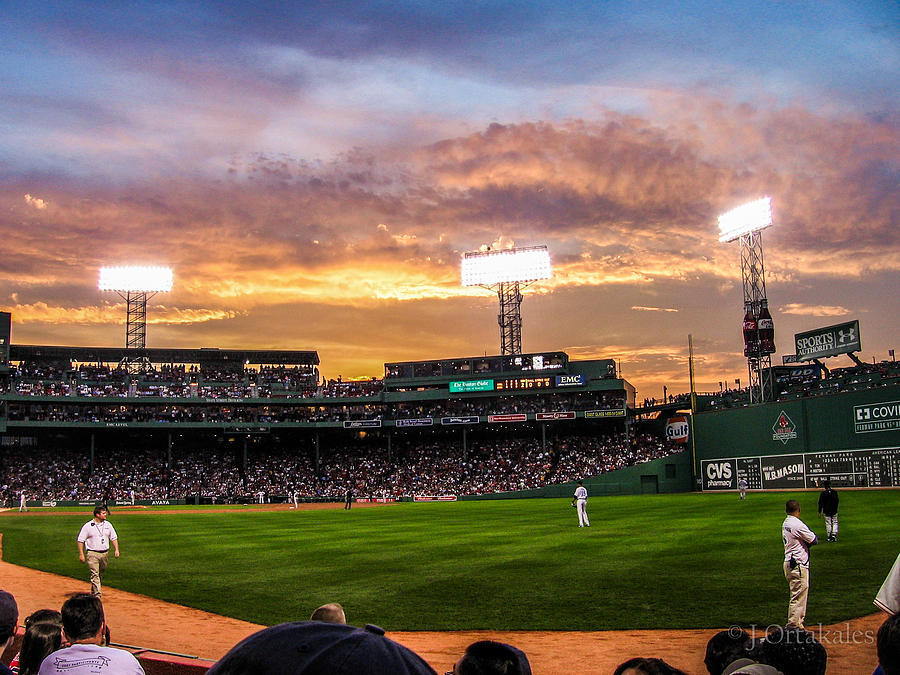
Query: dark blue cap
[316, 648]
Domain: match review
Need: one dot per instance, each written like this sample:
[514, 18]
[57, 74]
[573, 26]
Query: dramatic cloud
[313, 176]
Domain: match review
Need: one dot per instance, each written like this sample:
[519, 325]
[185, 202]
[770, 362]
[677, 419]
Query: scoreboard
[523, 383]
[874, 468]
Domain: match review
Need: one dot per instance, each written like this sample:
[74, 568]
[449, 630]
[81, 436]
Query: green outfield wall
[667, 474]
[851, 438]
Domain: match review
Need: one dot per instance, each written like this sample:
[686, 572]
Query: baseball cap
[9, 612]
[316, 648]
[747, 666]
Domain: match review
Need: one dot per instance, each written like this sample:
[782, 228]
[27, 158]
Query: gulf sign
[677, 429]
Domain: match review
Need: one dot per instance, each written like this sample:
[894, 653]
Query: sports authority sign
[842, 338]
[876, 417]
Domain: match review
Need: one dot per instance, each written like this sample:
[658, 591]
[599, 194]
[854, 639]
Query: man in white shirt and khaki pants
[94, 540]
[797, 540]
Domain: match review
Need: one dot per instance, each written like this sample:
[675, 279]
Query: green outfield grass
[656, 561]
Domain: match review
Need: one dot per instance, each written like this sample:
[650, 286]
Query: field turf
[653, 561]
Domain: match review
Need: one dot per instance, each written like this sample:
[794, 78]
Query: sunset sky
[314, 171]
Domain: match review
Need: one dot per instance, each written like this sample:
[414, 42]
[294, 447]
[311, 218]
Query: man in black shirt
[828, 506]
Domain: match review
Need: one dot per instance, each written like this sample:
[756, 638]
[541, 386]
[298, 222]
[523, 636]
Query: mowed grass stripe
[658, 561]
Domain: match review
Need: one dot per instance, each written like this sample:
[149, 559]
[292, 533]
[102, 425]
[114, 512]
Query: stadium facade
[257, 400]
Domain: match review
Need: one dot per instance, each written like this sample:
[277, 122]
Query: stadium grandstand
[207, 425]
[215, 425]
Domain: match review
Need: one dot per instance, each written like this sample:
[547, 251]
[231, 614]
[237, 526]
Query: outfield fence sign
[875, 468]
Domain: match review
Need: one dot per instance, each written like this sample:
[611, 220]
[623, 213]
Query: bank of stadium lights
[135, 285]
[745, 224]
[750, 217]
[507, 272]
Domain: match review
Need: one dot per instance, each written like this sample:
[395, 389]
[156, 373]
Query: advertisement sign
[791, 375]
[718, 474]
[467, 419]
[850, 468]
[783, 471]
[545, 416]
[829, 341]
[510, 417]
[434, 498]
[462, 386]
[876, 417]
[418, 422]
[677, 429]
[615, 412]
[570, 381]
[361, 424]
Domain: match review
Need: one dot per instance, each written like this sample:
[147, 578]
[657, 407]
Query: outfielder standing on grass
[579, 501]
[93, 546]
[828, 505]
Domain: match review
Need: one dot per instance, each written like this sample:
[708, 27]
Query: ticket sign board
[461, 386]
[841, 338]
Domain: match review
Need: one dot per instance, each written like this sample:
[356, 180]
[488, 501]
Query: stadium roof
[47, 353]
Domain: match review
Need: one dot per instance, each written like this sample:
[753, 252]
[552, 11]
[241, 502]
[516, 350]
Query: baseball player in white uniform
[888, 597]
[23, 505]
[94, 540]
[579, 500]
[797, 540]
[742, 486]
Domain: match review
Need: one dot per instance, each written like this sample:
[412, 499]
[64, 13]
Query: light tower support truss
[510, 317]
[135, 285]
[745, 224]
[753, 280]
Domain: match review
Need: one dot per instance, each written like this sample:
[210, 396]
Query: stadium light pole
[507, 272]
[745, 224]
[135, 285]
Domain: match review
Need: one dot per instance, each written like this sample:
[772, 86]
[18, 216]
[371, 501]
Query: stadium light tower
[745, 224]
[135, 285]
[507, 272]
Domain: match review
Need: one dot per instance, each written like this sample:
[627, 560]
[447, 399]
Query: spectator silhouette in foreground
[318, 648]
[38, 616]
[646, 666]
[487, 657]
[329, 613]
[41, 639]
[9, 619]
[793, 651]
[889, 646]
[84, 625]
[726, 647]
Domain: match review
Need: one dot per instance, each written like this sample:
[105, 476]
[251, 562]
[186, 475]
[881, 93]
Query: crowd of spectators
[169, 380]
[813, 382]
[230, 405]
[371, 470]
